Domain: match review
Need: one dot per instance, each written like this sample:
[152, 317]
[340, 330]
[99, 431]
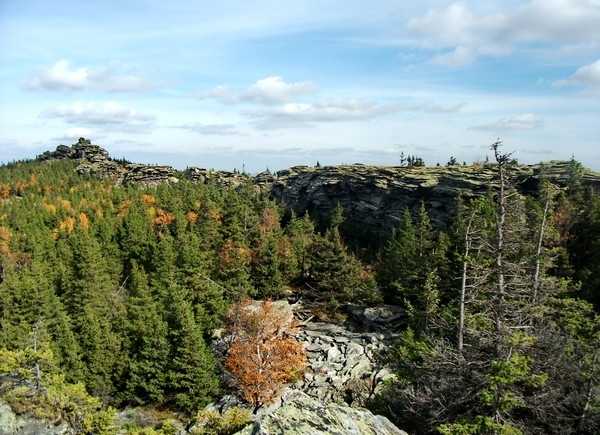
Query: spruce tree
[399, 269]
[191, 373]
[148, 344]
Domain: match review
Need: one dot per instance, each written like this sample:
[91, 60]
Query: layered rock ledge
[373, 197]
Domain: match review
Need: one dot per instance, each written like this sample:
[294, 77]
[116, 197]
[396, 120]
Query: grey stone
[13, 424]
[301, 414]
[373, 197]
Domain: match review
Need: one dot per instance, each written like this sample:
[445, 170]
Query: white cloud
[462, 35]
[78, 132]
[274, 89]
[587, 76]
[301, 114]
[525, 121]
[211, 129]
[458, 57]
[110, 115]
[269, 90]
[61, 76]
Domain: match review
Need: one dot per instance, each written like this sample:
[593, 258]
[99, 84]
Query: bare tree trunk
[37, 371]
[499, 305]
[590, 388]
[463, 287]
[538, 254]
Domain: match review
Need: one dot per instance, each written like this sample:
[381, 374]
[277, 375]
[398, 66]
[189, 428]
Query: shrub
[264, 353]
[212, 422]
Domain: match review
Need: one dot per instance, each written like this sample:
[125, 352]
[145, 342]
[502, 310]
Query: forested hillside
[109, 296]
[119, 288]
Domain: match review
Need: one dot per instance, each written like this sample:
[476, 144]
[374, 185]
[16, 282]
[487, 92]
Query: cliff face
[373, 197]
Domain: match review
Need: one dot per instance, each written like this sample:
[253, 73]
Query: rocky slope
[373, 197]
[342, 373]
[343, 361]
[301, 414]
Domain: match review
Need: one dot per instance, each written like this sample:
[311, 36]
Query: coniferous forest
[110, 296]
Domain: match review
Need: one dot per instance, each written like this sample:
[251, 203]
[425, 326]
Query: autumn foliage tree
[264, 354]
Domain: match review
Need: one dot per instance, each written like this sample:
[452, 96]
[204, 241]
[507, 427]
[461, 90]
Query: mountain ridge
[373, 197]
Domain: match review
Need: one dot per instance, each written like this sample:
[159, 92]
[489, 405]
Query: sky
[272, 84]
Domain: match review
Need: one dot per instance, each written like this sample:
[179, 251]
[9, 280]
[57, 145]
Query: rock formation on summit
[373, 197]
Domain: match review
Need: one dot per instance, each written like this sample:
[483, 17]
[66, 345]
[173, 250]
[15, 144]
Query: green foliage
[211, 422]
[109, 295]
[336, 274]
[44, 393]
[529, 361]
[191, 376]
[83, 412]
[149, 349]
[480, 425]
[585, 250]
[128, 282]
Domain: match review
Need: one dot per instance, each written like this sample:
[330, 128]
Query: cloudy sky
[277, 83]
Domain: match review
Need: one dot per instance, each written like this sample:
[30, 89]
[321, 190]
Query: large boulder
[380, 318]
[149, 175]
[14, 424]
[301, 414]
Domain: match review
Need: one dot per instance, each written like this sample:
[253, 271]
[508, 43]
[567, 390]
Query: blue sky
[274, 83]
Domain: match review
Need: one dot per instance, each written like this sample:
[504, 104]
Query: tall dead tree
[501, 161]
[540, 241]
[468, 240]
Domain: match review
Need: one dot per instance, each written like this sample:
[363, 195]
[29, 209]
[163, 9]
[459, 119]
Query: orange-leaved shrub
[264, 353]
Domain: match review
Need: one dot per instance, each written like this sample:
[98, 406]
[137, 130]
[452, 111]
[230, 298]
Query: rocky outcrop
[342, 365]
[105, 169]
[219, 178]
[95, 161]
[14, 424]
[149, 175]
[82, 150]
[374, 197]
[301, 414]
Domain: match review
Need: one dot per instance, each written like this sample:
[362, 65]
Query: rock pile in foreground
[301, 414]
[14, 424]
[342, 365]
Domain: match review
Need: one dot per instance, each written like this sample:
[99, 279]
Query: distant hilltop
[373, 197]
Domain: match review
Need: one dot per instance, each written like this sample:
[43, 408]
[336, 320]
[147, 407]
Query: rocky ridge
[301, 414]
[373, 197]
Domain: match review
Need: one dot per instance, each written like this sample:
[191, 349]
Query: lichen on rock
[301, 414]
